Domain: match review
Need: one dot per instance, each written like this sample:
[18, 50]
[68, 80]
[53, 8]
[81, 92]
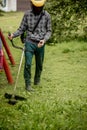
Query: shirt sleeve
[49, 29]
[22, 27]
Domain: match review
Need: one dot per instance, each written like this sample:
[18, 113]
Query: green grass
[60, 102]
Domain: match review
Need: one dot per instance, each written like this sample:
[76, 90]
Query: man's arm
[22, 28]
[48, 33]
[49, 29]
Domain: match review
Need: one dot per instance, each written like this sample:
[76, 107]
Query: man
[35, 39]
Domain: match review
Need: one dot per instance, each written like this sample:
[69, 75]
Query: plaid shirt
[42, 31]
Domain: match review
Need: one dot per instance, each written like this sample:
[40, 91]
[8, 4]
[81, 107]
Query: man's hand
[41, 43]
[10, 37]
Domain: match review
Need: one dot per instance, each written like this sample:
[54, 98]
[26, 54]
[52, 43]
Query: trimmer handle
[9, 34]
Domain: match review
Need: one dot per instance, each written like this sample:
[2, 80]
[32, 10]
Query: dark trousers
[30, 50]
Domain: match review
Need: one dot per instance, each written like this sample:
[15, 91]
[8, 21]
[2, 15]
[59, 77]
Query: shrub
[68, 19]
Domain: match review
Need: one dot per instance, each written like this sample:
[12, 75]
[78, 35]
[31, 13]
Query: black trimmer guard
[13, 98]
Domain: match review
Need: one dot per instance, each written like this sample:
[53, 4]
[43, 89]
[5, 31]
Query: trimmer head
[13, 98]
[9, 96]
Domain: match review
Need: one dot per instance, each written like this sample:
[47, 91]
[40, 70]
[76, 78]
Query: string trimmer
[12, 97]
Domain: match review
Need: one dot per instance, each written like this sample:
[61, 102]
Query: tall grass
[60, 101]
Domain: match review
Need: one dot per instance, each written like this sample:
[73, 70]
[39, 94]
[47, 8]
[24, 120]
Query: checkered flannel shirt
[42, 31]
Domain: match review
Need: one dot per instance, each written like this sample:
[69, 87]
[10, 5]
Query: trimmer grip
[9, 34]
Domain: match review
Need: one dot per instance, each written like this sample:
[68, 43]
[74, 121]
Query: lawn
[60, 101]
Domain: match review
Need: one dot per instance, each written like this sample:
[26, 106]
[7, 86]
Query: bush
[68, 19]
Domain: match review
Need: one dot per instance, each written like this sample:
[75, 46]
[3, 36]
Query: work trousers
[30, 50]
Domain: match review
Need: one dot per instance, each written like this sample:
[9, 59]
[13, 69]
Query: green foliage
[68, 19]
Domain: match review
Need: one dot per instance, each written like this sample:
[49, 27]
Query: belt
[33, 41]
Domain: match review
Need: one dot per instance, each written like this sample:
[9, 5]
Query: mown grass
[60, 101]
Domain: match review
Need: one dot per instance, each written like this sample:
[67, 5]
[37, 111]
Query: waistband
[33, 41]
